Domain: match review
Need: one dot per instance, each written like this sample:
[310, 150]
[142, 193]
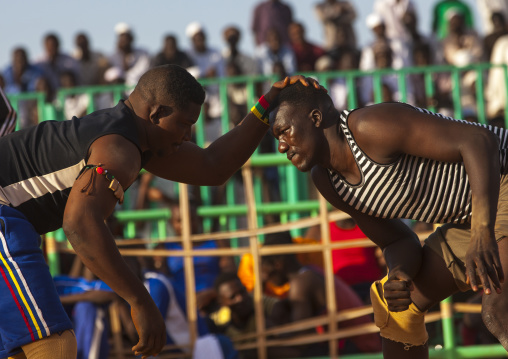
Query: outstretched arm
[215, 164]
[87, 232]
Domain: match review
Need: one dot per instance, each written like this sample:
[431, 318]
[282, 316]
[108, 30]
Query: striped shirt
[411, 187]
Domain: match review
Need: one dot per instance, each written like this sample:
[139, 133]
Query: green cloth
[440, 22]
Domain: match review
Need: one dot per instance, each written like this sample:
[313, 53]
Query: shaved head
[170, 85]
[304, 97]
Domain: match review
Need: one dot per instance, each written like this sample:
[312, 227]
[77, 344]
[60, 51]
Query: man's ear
[159, 111]
[317, 117]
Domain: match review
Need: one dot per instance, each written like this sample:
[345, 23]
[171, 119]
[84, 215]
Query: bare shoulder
[372, 117]
[119, 155]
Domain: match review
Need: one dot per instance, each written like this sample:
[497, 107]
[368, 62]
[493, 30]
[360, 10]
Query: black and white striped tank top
[411, 187]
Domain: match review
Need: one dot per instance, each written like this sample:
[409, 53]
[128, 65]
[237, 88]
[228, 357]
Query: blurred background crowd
[293, 285]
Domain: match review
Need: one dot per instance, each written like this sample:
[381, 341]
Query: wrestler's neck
[140, 114]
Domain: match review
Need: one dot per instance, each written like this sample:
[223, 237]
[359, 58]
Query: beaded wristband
[260, 109]
[114, 185]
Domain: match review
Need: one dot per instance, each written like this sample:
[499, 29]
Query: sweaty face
[174, 128]
[296, 134]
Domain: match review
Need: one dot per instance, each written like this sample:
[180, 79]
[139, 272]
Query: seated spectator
[337, 17]
[128, 63]
[231, 54]
[236, 316]
[53, 63]
[171, 302]
[307, 297]
[206, 268]
[356, 266]
[273, 53]
[91, 64]
[171, 54]
[86, 300]
[306, 53]
[74, 104]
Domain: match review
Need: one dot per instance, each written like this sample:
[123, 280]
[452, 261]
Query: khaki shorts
[450, 241]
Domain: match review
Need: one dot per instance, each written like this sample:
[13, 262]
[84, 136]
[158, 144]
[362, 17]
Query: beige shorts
[450, 241]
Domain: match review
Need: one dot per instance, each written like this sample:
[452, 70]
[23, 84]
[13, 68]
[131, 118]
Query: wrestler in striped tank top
[411, 187]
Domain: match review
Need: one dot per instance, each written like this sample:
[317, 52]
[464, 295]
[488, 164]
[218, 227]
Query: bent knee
[406, 327]
[61, 345]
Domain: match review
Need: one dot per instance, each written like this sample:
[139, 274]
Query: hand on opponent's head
[272, 95]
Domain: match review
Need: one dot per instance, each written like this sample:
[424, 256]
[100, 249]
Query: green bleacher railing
[293, 187]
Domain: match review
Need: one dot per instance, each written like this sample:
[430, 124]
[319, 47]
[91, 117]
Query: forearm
[100, 254]
[229, 152]
[404, 255]
[482, 166]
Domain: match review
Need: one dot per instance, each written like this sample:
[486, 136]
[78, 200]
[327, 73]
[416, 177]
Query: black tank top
[39, 165]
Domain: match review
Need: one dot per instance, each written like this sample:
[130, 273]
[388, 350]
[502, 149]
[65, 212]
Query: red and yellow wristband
[260, 110]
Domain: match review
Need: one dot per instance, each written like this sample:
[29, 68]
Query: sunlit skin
[310, 137]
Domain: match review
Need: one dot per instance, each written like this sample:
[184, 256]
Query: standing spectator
[209, 64]
[496, 85]
[271, 14]
[383, 53]
[338, 89]
[54, 62]
[440, 18]
[21, 76]
[128, 63]
[75, 104]
[306, 53]
[499, 29]
[246, 64]
[462, 47]
[171, 54]
[487, 8]
[399, 47]
[336, 15]
[274, 56]
[392, 12]
[91, 64]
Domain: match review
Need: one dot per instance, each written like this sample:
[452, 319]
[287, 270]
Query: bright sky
[25, 22]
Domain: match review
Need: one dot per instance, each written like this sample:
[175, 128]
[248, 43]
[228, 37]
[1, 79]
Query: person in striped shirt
[390, 161]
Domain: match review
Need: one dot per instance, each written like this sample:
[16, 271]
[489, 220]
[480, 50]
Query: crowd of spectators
[282, 48]
[293, 286]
